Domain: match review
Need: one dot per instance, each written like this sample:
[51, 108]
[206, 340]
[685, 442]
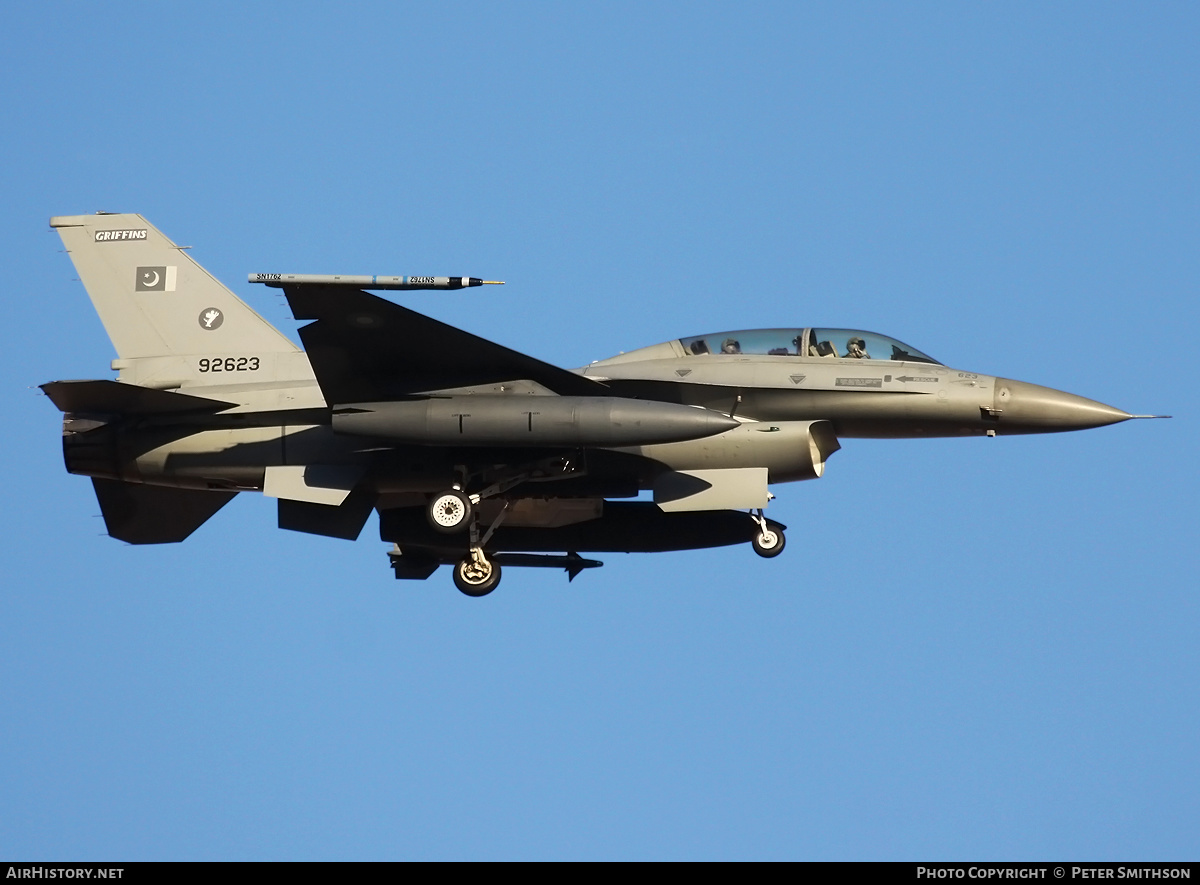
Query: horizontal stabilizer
[366, 349]
[115, 398]
[141, 514]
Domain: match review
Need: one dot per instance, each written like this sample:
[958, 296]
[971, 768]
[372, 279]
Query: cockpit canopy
[833, 343]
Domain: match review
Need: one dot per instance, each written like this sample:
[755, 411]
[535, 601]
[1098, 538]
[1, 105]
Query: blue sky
[972, 649]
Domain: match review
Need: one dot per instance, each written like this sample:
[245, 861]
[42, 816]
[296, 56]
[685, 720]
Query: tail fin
[159, 305]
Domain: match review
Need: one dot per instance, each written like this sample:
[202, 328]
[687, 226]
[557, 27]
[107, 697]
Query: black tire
[449, 512]
[468, 577]
[768, 544]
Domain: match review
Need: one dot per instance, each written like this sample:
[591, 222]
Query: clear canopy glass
[842, 344]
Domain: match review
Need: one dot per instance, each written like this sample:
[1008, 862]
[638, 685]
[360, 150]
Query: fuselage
[792, 407]
[777, 375]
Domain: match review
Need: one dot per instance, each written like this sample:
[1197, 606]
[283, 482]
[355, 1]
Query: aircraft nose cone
[1030, 408]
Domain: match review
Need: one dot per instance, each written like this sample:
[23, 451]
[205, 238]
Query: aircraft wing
[365, 349]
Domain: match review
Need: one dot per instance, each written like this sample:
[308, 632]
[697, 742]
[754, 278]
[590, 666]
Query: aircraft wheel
[476, 578]
[449, 512]
[768, 543]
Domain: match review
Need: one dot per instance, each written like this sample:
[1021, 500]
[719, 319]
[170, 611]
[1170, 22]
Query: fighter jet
[472, 454]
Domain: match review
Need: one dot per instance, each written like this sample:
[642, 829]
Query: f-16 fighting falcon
[474, 455]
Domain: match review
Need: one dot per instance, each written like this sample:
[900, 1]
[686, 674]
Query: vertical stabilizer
[172, 323]
[152, 297]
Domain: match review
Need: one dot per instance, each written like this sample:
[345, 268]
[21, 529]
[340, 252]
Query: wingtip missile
[369, 281]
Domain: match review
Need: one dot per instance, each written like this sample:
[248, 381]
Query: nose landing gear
[768, 542]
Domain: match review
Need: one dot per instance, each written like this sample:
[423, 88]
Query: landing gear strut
[477, 575]
[768, 542]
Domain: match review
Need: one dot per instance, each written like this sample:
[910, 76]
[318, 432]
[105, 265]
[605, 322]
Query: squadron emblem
[211, 318]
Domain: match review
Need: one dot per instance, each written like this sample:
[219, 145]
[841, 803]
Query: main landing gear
[452, 512]
[476, 575]
[767, 542]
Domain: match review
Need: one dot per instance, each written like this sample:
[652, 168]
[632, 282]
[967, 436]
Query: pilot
[731, 345]
[856, 349]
